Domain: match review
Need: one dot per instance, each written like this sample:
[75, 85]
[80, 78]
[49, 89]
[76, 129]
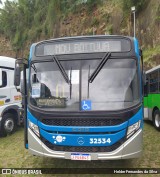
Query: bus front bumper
[132, 148]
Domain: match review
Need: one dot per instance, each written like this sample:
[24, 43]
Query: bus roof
[81, 37]
[7, 62]
[153, 69]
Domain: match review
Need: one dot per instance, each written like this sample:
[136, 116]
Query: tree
[127, 4]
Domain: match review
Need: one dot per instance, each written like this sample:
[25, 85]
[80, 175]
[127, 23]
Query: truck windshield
[115, 87]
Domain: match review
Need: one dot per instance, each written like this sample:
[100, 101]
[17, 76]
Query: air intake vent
[82, 122]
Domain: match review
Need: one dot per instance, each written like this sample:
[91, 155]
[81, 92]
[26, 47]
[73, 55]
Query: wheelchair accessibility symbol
[86, 105]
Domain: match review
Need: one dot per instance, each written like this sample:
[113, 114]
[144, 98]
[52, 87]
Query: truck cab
[10, 98]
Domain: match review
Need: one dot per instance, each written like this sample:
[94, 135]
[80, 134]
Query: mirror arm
[18, 90]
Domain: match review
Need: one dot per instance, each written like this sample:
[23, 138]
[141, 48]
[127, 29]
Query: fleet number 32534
[100, 140]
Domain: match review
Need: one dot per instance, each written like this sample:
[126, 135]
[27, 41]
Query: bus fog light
[33, 127]
[133, 128]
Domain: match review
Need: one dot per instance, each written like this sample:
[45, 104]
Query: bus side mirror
[1, 77]
[17, 74]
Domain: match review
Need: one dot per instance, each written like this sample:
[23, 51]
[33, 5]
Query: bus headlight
[33, 127]
[133, 128]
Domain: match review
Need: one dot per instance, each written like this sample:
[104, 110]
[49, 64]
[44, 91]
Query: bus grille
[83, 148]
[82, 122]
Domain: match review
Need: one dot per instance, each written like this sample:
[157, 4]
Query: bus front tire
[8, 124]
[156, 120]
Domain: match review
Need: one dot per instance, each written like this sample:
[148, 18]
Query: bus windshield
[114, 87]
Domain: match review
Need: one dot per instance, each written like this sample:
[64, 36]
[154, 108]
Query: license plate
[75, 156]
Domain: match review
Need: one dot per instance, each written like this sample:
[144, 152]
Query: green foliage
[158, 15]
[88, 2]
[95, 22]
[139, 4]
[91, 4]
[109, 29]
[150, 52]
[24, 20]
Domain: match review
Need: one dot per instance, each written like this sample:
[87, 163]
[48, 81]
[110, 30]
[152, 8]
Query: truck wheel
[156, 120]
[8, 124]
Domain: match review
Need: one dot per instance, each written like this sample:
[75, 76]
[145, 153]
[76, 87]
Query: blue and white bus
[84, 98]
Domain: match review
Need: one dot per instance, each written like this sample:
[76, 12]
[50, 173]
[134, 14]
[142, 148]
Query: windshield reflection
[115, 87]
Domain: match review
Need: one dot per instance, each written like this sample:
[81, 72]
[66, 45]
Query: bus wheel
[156, 120]
[8, 124]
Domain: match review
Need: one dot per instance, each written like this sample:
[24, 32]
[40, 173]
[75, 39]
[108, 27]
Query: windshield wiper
[99, 67]
[62, 70]
[34, 67]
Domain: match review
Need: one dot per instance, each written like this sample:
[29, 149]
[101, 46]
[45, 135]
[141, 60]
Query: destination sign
[52, 102]
[59, 48]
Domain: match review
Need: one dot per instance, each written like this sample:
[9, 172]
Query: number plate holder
[78, 156]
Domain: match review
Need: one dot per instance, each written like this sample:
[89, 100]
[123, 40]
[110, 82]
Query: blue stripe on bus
[30, 53]
[31, 118]
[26, 146]
[138, 116]
[83, 140]
[136, 46]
